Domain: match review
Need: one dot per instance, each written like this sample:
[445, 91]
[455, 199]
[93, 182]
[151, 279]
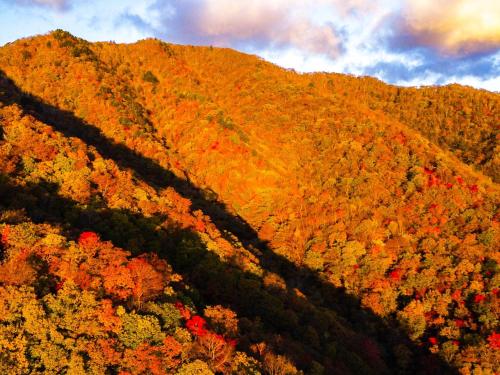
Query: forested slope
[460, 119]
[207, 209]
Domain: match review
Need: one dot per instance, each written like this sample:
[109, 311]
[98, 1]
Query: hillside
[459, 119]
[173, 209]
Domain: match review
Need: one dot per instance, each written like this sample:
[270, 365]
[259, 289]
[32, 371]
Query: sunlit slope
[460, 119]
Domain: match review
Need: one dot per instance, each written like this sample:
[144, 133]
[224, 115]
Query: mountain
[179, 209]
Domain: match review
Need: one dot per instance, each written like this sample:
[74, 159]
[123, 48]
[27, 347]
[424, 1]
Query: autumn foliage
[180, 210]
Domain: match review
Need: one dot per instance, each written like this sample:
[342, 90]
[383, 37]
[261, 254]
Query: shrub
[150, 77]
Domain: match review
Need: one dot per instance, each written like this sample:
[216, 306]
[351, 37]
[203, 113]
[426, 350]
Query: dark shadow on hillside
[326, 325]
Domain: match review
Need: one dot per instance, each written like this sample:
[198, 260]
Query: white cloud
[492, 84]
[255, 24]
[453, 26]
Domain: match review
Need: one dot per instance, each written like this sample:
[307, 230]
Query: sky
[404, 42]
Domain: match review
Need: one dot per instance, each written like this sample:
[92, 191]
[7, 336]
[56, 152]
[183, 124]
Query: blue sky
[406, 42]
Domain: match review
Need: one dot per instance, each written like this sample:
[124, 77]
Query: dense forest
[171, 209]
